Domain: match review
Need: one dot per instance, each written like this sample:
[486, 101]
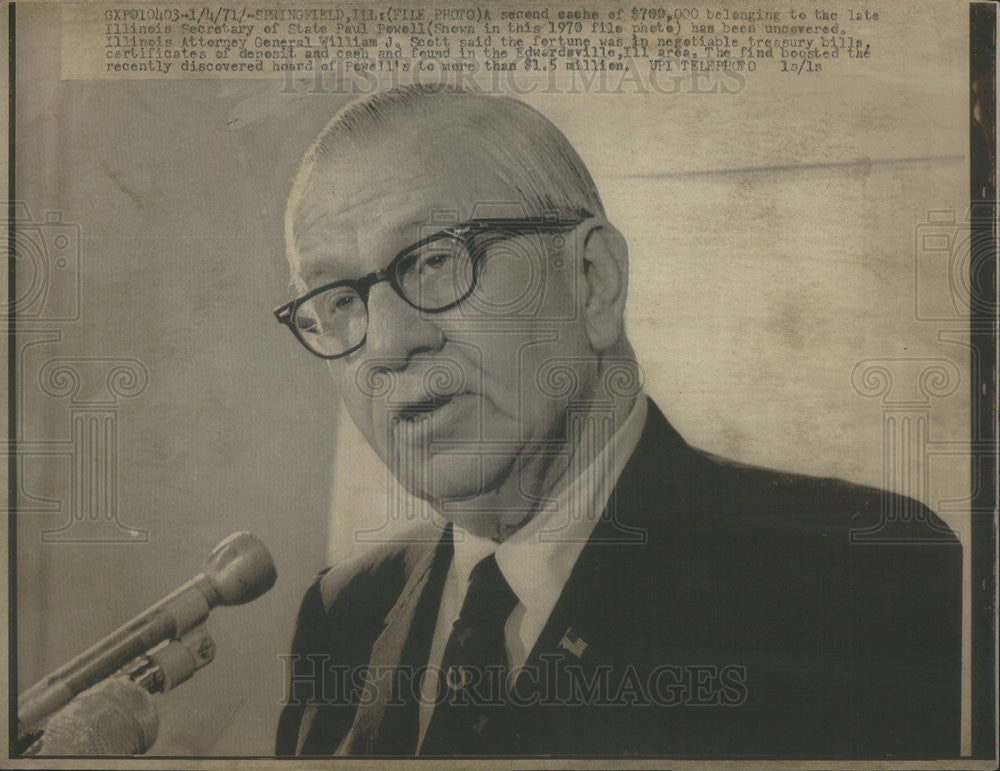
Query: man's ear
[604, 281]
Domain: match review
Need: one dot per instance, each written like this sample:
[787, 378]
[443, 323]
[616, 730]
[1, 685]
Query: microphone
[238, 570]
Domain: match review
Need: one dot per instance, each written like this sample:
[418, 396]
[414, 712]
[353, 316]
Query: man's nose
[396, 330]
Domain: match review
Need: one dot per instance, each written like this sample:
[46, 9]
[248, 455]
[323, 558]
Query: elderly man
[600, 587]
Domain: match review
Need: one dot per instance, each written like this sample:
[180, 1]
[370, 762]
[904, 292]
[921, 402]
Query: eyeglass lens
[434, 276]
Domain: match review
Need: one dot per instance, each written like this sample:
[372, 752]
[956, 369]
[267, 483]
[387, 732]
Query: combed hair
[524, 147]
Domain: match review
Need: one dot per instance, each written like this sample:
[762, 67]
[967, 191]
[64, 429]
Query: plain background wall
[768, 258]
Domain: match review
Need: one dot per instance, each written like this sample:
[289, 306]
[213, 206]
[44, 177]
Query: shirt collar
[538, 559]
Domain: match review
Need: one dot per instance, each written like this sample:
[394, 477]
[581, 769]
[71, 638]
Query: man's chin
[455, 480]
[442, 493]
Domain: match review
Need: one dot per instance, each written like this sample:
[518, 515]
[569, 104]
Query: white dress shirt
[537, 560]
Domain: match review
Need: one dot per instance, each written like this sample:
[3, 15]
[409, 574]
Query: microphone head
[115, 717]
[240, 569]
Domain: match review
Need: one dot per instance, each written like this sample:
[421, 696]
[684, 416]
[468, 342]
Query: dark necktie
[473, 682]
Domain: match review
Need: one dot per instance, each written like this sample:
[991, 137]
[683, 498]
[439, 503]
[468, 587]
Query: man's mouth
[421, 409]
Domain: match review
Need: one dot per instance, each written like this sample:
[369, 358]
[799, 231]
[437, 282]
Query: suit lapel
[594, 629]
[387, 718]
[619, 550]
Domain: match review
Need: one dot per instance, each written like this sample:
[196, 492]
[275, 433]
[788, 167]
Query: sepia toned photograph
[501, 384]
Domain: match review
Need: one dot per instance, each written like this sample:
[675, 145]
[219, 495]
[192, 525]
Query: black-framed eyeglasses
[433, 275]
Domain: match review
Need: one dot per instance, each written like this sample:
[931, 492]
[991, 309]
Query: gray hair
[526, 148]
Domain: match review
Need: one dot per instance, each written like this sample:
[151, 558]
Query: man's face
[453, 402]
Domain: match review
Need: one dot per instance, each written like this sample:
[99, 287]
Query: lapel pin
[457, 678]
[571, 642]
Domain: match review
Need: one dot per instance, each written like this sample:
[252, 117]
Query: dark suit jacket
[718, 610]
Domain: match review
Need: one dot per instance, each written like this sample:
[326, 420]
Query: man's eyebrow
[419, 228]
[299, 284]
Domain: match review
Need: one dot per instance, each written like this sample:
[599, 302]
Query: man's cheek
[370, 420]
[363, 411]
[505, 361]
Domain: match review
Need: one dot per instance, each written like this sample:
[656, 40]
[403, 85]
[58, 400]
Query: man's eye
[340, 303]
[434, 261]
[306, 324]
